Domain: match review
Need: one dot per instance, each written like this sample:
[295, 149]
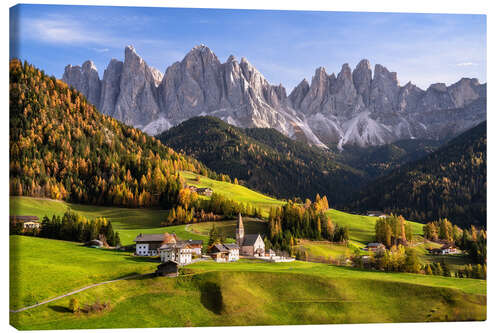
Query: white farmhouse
[181, 253]
[150, 244]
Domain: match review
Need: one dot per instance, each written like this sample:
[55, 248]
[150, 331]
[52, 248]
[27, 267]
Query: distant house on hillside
[250, 244]
[375, 247]
[28, 222]
[206, 191]
[445, 249]
[149, 244]
[376, 213]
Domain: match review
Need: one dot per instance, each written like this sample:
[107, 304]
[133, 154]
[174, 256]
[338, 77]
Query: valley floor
[247, 292]
[211, 294]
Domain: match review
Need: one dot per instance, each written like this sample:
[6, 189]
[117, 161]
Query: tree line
[303, 220]
[194, 209]
[472, 240]
[61, 147]
[450, 182]
[72, 227]
[393, 230]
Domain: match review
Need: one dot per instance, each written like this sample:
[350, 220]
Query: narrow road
[74, 292]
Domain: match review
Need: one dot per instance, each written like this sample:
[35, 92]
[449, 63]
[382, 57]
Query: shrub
[74, 305]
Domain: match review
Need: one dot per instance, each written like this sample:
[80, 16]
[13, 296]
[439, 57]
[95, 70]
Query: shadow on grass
[58, 308]
[143, 259]
[211, 297]
[143, 277]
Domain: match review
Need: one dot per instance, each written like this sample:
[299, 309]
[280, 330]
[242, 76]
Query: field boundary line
[75, 292]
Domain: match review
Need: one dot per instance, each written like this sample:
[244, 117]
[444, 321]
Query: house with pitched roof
[224, 252]
[179, 252]
[150, 244]
[250, 244]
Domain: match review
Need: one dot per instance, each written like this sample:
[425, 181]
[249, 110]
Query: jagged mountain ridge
[354, 107]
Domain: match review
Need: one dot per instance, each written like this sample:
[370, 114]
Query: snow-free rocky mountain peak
[355, 107]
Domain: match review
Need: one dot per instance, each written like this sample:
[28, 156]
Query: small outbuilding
[375, 247]
[27, 222]
[95, 243]
[168, 268]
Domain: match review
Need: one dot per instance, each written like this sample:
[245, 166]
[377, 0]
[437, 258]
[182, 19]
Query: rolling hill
[263, 159]
[450, 182]
[254, 293]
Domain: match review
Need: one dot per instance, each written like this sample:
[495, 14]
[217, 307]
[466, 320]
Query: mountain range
[353, 108]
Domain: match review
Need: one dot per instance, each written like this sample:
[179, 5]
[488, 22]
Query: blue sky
[285, 46]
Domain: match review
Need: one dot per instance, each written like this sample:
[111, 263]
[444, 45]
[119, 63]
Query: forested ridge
[377, 161]
[61, 147]
[449, 183]
[263, 159]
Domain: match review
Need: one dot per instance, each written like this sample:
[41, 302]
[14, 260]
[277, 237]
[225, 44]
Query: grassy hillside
[227, 228]
[43, 268]
[255, 293]
[130, 222]
[362, 228]
[235, 192]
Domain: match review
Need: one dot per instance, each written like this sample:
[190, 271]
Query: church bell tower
[240, 231]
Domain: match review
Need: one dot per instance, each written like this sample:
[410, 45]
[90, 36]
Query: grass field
[227, 228]
[258, 293]
[235, 192]
[362, 228]
[323, 249]
[43, 268]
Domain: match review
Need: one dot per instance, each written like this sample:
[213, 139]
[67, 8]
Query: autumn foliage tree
[62, 148]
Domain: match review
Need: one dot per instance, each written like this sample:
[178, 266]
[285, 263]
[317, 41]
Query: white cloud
[101, 50]
[463, 64]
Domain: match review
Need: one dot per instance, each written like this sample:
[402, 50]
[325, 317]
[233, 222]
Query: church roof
[250, 239]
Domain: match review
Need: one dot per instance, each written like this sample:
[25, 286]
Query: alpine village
[116, 221]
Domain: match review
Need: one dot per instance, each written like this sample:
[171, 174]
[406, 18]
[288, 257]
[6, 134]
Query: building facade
[150, 244]
[224, 252]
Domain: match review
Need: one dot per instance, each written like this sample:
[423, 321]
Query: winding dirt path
[74, 292]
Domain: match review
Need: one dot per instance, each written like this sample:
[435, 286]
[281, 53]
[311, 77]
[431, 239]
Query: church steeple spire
[240, 230]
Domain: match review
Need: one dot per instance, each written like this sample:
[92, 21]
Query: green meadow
[362, 228]
[259, 293]
[44, 268]
[211, 294]
[235, 192]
